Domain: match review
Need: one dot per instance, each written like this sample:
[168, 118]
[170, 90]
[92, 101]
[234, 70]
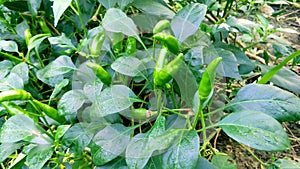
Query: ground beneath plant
[245, 160]
[242, 157]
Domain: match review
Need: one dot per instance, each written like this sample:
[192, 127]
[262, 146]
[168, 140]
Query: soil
[245, 160]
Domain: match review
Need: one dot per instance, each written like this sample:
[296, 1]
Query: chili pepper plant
[132, 84]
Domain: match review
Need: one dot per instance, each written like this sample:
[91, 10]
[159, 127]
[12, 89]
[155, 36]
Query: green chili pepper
[118, 47]
[44, 27]
[96, 43]
[18, 94]
[27, 36]
[142, 113]
[50, 111]
[14, 109]
[161, 25]
[164, 75]
[207, 81]
[101, 73]
[130, 46]
[168, 41]
[161, 59]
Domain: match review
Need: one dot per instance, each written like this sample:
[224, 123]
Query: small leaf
[9, 46]
[5, 67]
[255, 129]
[153, 8]
[58, 87]
[224, 162]
[123, 3]
[36, 40]
[112, 100]
[7, 149]
[284, 78]
[271, 100]
[62, 41]
[108, 3]
[184, 154]
[22, 71]
[204, 163]
[187, 21]
[17, 128]
[61, 130]
[59, 8]
[117, 21]
[129, 66]
[34, 5]
[38, 156]
[70, 102]
[106, 141]
[284, 164]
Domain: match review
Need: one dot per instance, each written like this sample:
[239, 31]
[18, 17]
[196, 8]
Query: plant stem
[200, 115]
[80, 17]
[253, 155]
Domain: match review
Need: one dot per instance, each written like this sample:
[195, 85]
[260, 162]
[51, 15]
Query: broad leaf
[17, 128]
[7, 149]
[59, 8]
[255, 129]
[12, 81]
[71, 101]
[58, 87]
[38, 156]
[108, 3]
[117, 21]
[61, 130]
[34, 5]
[35, 41]
[9, 46]
[145, 22]
[284, 78]
[55, 70]
[224, 162]
[284, 164]
[92, 89]
[204, 163]
[187, 21]
[22, 71]
[184, 154]
[63, 42]
[153, 8]
[129, 66]
[112, 100]
[123, 3]
[228, 67]
[5, 67]
[271, 100]
[111, 142]
[80, 135]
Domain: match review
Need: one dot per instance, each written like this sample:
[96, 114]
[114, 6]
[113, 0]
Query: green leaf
[17, 128]
[63, 42]
[36, 40]
[275, 69]
[187, 21]
[153, 8]
[123, 3]
[80, 135]
[9, 46]
[255, 129]
[61, 130]
[58, 87]
[108, 3]
[117, 21]
[206, 85]
[119, 163]
[129, 66]
[12, 81]
[145, 22]
[7, 149]
[71, 101]
[106, 141]
[112, 100]
[56, 69]
[22, 71]
[185, 153]
[34, 5]
[284, 164]
[284, 78]
[228, 67]
[38, 156]
[5, 67]
[59, 8]
[243, 25]
[204, 163]
[224, 162]
[271, 100]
